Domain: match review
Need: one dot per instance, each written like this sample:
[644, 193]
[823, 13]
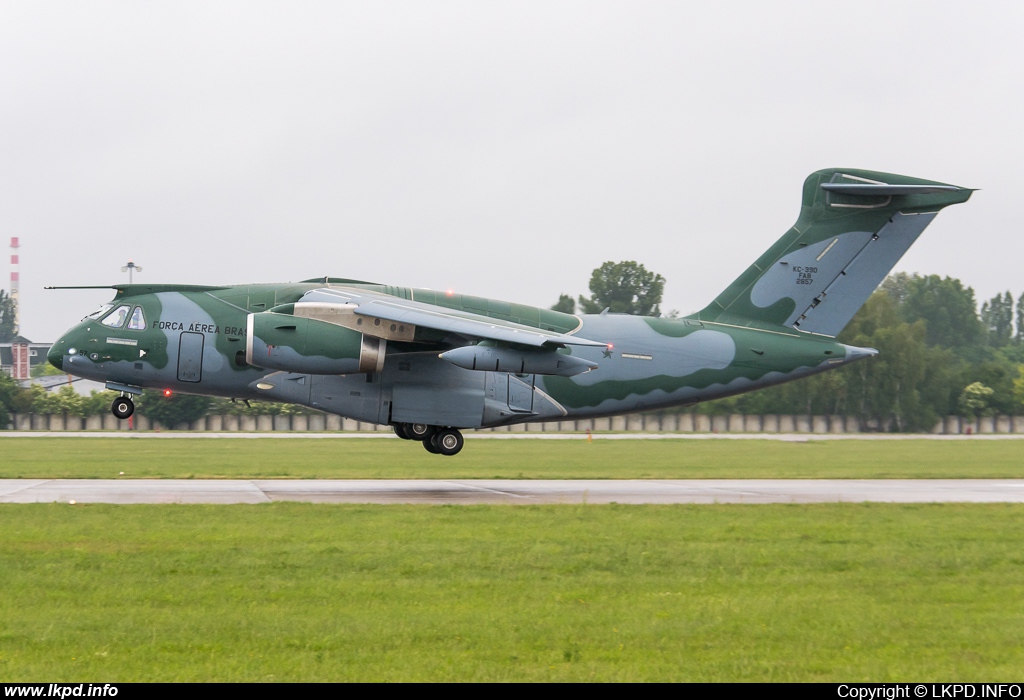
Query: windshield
[116, 317]
[100, 311]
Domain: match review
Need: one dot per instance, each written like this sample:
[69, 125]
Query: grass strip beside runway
[315, 592]
[509, 459]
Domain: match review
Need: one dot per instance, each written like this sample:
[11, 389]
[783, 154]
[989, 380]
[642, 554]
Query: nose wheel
[122, 407]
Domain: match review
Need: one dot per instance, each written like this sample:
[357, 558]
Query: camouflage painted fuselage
[395, 355]
[194, 341]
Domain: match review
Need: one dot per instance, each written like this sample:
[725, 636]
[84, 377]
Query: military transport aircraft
[432, 363]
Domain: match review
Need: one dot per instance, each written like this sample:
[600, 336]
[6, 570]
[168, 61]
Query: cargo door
[190, 357]
[520, 393]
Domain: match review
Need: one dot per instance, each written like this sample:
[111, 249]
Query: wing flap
[463, 323]
[424, 315]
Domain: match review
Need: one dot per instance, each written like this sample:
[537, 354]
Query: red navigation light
[450, 292]
[167, 392]
[610, 346]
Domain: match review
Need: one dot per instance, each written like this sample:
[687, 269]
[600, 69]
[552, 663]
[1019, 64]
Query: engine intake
[308, 346]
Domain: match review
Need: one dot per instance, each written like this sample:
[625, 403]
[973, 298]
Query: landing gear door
[190, 357]
[520, 393]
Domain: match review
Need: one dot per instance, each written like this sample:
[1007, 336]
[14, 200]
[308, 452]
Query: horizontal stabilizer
[866, 190]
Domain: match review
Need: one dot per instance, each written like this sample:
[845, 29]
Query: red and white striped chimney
[14, 283]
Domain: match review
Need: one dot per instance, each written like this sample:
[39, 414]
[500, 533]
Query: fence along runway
[515, 492]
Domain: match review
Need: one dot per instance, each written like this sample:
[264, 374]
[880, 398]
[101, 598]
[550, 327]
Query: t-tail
[854, 226]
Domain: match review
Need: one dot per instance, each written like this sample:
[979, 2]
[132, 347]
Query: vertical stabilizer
[854, 226]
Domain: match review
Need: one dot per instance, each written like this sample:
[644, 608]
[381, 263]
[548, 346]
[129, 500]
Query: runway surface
[500, 491]
[387, 435]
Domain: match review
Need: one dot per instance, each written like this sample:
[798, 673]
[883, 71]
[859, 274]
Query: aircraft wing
[439, 318]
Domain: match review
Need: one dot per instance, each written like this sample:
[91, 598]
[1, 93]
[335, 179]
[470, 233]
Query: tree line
[938, 356]
[7, 313]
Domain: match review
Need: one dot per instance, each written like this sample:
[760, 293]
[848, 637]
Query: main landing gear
[447, 441]
[122, 407]
[436, 440]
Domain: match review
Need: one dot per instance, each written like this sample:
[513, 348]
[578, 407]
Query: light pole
[130, 268]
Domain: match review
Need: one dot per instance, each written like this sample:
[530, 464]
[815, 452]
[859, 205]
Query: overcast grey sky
[498, 149]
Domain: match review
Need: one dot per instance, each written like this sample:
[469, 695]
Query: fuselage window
[138, 322]
[100, 311]
[116, 317]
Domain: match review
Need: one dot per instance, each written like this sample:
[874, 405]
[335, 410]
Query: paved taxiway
[469, 491]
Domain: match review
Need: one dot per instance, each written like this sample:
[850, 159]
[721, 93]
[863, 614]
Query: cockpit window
[138, 322]
[115, 319]
[100, 311]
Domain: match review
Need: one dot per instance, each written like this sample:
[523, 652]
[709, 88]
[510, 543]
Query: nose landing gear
[122, 407]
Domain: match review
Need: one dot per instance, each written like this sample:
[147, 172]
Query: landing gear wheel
[448, 441]
[429, 445]
[401, 431]
[419, 431]
[122, 407]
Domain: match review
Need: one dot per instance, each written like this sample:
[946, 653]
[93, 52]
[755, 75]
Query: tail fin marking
[831, 309]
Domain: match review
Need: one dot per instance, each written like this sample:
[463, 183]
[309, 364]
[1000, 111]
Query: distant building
[21, 355]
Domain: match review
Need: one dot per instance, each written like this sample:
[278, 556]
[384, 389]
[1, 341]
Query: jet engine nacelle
[307, 346]
[489, 358]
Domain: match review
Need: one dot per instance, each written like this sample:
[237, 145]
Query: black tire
[448, 442]
[419, 431]
[429, 445]
[122, 407]
[401, 431]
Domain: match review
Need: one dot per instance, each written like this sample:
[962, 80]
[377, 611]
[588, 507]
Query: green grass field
[508, 459]
[323, 592]
[339, 592]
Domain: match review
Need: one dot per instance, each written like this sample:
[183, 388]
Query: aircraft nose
[56, 354]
